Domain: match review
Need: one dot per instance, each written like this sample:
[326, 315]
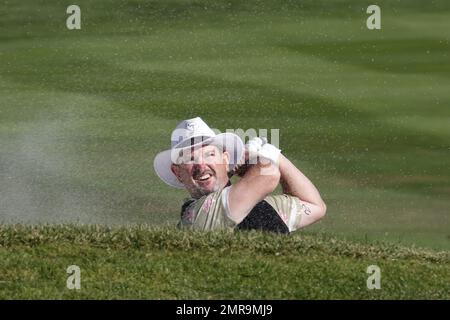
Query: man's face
[203, 170]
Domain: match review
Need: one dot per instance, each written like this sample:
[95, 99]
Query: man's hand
[257, 149]
[270, 152]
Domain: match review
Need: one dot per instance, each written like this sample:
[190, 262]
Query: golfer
[202, 162]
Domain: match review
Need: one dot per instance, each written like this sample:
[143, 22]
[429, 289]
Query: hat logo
[191, 126]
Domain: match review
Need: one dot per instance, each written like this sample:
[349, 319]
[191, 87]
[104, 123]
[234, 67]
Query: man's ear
[226, 158]
[175, 171]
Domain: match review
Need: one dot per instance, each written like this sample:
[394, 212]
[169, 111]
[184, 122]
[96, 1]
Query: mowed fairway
[364, 113]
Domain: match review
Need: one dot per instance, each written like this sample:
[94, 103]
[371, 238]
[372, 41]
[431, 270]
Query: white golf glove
[270, 152]
[253, 146]
[259, 147]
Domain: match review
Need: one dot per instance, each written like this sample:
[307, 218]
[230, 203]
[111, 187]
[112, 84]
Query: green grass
[147, 263]
[364, 113]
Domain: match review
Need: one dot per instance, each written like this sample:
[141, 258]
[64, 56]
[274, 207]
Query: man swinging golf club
[202, 162]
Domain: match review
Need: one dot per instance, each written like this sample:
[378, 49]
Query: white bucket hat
[191, 133]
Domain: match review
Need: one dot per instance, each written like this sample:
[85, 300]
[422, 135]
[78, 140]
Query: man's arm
[295, 183]
[254, 186]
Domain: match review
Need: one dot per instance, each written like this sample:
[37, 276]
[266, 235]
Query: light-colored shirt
[211, 212]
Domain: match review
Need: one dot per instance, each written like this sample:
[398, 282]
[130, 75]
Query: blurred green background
[364, 113]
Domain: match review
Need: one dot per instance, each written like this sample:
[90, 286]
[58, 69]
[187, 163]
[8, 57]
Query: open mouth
[203, 177]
